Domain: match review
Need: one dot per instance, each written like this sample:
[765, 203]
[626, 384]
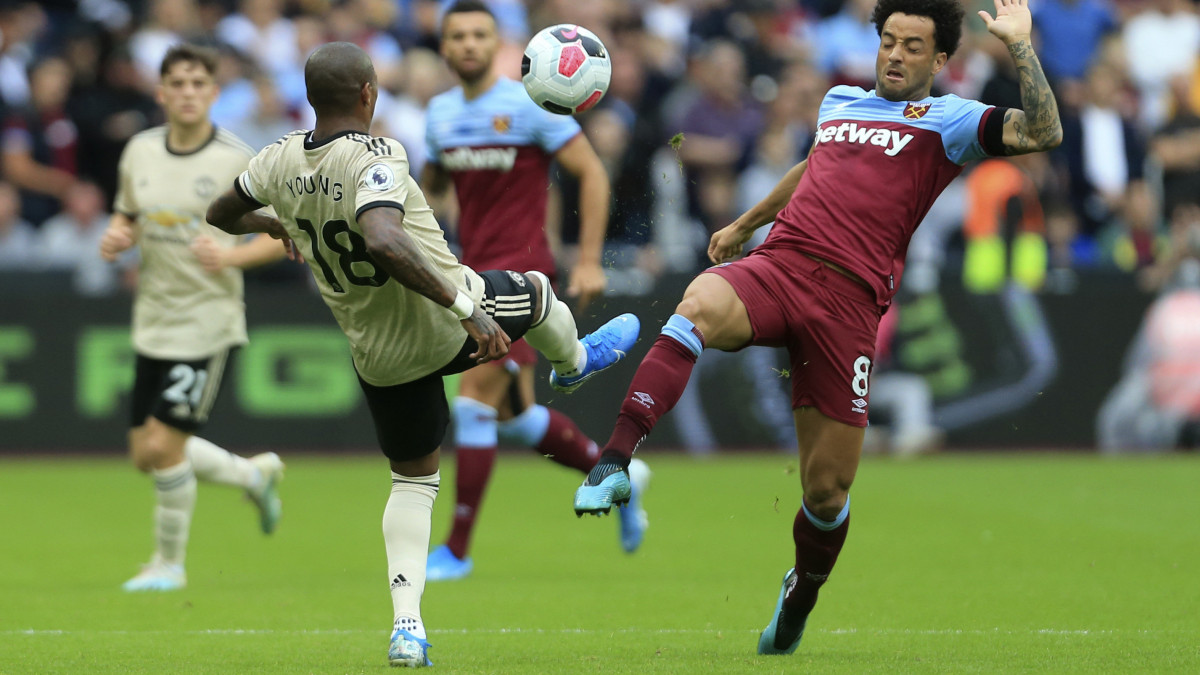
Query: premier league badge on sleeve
[380, 177]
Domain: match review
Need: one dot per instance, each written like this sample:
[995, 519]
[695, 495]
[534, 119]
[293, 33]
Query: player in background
[411, 311]
[821, 280]
[497, 145]
[188, 314]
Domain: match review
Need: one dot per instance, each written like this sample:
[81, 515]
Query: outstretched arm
[1037, 127]
[401, 257]
[587, 280]
[727, 242]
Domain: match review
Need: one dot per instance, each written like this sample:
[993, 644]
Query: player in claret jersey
[830, 266]
[496, 145]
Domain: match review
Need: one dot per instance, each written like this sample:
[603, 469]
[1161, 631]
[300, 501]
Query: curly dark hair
[947, 17]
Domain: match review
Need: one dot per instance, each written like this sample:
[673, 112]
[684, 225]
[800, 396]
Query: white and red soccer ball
[565, 69]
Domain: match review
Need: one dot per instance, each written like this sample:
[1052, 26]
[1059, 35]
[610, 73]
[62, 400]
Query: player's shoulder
[228, 140]
[148, 137]
[367, 146]
[446, 101]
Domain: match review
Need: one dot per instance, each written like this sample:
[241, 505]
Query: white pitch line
[592, 631]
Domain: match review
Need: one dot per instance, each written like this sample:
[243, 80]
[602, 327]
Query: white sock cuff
[432, 480]
[548, 296]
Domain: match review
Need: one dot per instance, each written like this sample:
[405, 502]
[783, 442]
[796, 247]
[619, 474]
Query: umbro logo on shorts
[860, 405]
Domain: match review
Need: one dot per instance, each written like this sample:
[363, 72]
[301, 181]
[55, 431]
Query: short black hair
[467, 6]
[205, 57]
[334, 75]
[947, 17]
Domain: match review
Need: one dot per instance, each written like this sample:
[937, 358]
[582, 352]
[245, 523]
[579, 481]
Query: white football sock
[217, 465]
[407, 520]
[557, 337]
[176, 489]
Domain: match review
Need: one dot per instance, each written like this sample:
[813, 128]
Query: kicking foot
[408, 650]
[633, 516]
[443, 565]
[606, 485]
[783, 634]
[605, 346]
[157, 575]
[266, 495]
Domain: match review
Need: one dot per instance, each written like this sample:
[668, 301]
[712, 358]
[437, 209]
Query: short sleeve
[252, 184]
[963, 122]
[551, 131]
[383, 178]
[124, 202]
[432, 151]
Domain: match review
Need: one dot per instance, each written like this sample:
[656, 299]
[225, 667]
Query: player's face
[469, 43]
[908, 58]
[186, 93]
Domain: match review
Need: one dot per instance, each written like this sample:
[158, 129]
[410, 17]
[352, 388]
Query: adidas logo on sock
[400, 582]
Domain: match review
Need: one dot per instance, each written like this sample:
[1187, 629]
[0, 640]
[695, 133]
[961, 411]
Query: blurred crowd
[741, 80]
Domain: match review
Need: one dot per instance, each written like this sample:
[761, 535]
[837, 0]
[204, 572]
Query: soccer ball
[565, 69]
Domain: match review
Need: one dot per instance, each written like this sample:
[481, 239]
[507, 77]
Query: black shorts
[411, 418]
[179, 394]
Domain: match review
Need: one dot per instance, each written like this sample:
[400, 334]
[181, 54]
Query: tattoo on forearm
[396, 253]
[1039, 126]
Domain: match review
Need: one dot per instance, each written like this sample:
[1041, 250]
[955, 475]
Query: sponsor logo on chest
[477, 159]
[890, 140]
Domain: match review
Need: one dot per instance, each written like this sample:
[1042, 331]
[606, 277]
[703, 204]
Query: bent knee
[154, 451]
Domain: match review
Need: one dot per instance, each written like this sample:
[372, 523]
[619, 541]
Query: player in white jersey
[411, 312]
[188, 315]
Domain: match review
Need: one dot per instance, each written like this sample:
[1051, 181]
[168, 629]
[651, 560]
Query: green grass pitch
[955, 564]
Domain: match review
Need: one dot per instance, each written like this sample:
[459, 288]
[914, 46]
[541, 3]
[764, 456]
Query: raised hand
[1013, 21]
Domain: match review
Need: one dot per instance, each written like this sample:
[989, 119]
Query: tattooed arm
[1037, 127]
[401, 257]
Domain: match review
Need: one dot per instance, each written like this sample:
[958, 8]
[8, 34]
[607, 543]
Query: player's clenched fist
[118, 237]
[727, 242]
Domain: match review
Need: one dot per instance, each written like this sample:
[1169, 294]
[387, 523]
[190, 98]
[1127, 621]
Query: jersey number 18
[347, 255]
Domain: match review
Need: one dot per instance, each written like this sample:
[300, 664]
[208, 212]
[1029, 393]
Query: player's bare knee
[825, 501]
[152, 451]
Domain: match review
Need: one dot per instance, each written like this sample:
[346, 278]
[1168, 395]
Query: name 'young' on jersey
[874, 171]
[497, 148]
[318, 189]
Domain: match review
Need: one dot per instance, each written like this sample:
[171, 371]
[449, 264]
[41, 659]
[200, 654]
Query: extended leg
[157, 449]
[710, 315]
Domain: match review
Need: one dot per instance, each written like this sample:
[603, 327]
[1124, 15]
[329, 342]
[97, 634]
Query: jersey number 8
[348, 254]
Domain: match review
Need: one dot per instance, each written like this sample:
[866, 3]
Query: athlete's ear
[939, 62]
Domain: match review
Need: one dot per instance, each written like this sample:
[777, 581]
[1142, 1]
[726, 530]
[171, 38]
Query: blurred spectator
[267, 119]
[40, 142]
[260, 31]
[109, 105]
[400, 113]
[18, 239]
[1176, 149]
[1068, 247]
[1071, 32]
[365, 22]
[70, 241]
[754, 26]
[1103, 151]
[847, 45]
[169, 23]
[720, 127]
[1161, 43]
[21, 23]
[1135, 240]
